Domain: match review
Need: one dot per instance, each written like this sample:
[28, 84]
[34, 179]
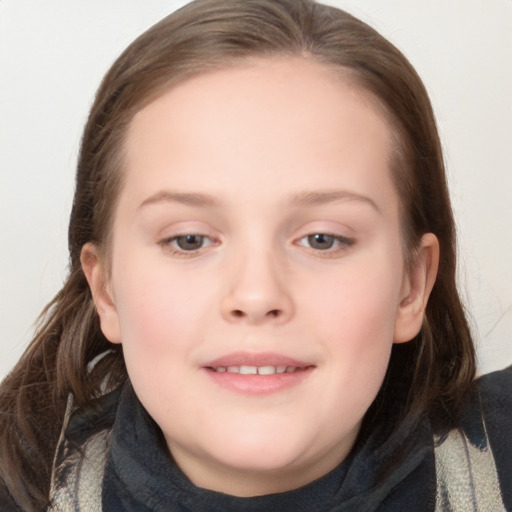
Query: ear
[96, 275]
[418, 284]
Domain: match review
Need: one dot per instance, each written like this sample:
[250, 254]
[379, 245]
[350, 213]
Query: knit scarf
[141, 476]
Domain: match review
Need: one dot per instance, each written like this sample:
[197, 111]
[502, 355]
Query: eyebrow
[318, 198]
[186, 198]
[302, 199]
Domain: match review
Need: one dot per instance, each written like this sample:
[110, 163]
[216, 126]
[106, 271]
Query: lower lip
[259, 384]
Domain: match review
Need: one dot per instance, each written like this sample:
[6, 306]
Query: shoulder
[474, 461]
[81, 455]
[495, 393]
[78, 476]
[492, 400]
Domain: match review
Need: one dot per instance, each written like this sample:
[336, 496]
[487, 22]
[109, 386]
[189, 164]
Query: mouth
[262, 373]
[257, 370]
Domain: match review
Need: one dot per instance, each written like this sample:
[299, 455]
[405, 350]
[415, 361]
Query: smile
[257, 370]
[258, 373]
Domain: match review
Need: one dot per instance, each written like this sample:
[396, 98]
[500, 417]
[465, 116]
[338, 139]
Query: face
[257, 279]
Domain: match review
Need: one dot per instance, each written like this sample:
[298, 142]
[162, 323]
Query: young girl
[261, 312]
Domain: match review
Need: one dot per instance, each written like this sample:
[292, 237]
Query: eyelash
[172, 244]
[337, 243]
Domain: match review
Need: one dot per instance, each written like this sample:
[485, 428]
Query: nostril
[238, 313]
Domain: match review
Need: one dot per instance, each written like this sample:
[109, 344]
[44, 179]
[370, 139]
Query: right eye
[189, 243]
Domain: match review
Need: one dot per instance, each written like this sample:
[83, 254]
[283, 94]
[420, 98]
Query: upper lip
[256, 359]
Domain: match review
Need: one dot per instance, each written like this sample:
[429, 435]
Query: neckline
[140, 473]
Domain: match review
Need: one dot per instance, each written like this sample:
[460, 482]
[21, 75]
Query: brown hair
[433, 372]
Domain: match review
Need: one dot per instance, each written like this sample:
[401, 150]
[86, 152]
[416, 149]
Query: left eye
[324, 241]
[190, 242]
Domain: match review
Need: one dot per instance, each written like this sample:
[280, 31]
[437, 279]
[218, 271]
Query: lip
[258, 384]
[256, 359]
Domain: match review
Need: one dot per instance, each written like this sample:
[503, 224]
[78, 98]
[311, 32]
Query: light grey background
[53, 54]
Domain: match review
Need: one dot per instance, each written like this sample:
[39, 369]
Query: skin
[266, 155]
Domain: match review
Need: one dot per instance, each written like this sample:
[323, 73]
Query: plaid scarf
[126, 466]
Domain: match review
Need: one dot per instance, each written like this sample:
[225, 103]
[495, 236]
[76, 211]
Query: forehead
[289, 121]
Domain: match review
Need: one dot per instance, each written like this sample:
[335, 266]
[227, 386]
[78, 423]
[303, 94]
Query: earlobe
[96, 275]
[416, 290]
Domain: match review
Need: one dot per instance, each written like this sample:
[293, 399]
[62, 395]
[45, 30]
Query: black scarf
[380, 475]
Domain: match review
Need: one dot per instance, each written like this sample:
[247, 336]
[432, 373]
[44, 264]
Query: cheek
[158, 313]
[361, 329]
[361, 297]
[355, 314]
[158, 308]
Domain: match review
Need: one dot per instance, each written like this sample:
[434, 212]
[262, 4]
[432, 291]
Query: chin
[260, 449]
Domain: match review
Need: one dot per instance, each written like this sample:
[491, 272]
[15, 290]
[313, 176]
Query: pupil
[321, 241]
[189, 242]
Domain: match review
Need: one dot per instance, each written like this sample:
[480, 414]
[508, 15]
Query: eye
[188, 243]
[325, 242]
[321, 241]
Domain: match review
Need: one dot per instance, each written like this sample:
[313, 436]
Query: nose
[257, 291]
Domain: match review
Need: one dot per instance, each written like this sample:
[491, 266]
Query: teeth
[266, 370]
[248, 370]
[256, 370]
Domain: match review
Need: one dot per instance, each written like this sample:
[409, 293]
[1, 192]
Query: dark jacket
[126, 467]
